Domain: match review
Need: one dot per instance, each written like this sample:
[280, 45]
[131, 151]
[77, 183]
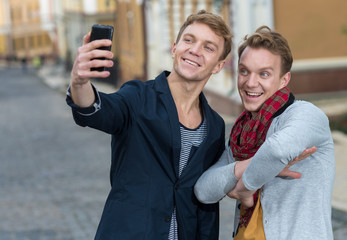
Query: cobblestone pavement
[54, 175]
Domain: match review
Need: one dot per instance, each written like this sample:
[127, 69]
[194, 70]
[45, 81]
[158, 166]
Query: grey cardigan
[292, 208]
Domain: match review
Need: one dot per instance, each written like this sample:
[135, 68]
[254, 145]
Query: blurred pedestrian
[24, 62]
[273, 129]
[42, 59]
[37, 62]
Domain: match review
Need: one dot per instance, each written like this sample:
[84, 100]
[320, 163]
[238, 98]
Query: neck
[184, 92]
[186, 98]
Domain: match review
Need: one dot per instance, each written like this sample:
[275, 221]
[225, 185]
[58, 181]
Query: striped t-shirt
[189, 138]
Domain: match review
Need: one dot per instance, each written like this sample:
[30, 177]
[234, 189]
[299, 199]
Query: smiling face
[259, 77]
[197, 54]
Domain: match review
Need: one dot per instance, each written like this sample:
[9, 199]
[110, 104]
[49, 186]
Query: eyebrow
[206, 41]
[261, 69]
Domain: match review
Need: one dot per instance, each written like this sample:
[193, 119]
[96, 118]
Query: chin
[251, 108]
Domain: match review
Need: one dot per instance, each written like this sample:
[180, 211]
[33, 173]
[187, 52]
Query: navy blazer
[143, 121]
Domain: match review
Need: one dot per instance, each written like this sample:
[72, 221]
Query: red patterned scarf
[249, 132]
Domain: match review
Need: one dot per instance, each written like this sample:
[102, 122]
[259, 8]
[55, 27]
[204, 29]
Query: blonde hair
[216, 23]
[264, 37]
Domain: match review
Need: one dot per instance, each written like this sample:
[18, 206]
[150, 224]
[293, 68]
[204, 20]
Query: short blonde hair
[266, 38]
[216, 23]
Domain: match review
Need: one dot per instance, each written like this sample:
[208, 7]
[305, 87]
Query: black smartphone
[101, 32]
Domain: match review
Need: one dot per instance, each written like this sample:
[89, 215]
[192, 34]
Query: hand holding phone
[101, 32]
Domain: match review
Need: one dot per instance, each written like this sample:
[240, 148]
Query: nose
[252, 81]
[195, 49]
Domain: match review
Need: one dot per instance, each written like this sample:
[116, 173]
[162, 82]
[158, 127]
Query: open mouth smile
[191, 62]
[253, 94]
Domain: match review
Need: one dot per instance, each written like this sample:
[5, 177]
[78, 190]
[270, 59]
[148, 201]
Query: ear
[218, 67]
[173, 50]
[285, 79]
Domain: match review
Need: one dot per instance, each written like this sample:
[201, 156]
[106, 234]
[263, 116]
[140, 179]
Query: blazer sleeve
[111, 113]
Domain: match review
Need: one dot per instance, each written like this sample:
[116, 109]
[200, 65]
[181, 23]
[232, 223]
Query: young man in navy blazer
[164, 135]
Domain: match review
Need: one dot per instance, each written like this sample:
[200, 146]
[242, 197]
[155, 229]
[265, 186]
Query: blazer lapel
[167, 100]
[211, 135]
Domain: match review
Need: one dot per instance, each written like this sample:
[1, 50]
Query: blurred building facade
[50, 28]
[317, 33]
[145, 31]
[163, 22]
[78, 18]
[27, 29]
[314, 30]
[130, 36]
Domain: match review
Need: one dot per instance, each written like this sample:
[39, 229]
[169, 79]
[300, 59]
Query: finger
[295, 160]
[97, 74]
[86, 60]
[100, 54]
[98, 44]
[90, 46]
[87, 74]
[303, 156]
[311, 150]
[82, 70]
[96, 63]
[291, 174]
[86, 38]
[308, 152]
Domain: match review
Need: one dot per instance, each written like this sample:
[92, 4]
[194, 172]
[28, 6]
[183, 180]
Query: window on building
[19, 43]
[2, 44]
[35, 41]
[31, 42]
[33, 12]
[16, 15]
[46, 41]
[39, 40]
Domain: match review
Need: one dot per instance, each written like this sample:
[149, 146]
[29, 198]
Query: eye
[187, 40]
[210, 49]
[264, 75]
[243, 71]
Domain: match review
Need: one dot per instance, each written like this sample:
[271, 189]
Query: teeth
[190, 62]
[253, 94]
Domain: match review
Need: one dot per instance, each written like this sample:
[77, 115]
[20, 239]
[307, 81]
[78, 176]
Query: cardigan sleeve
[218, 180]
[301, 126]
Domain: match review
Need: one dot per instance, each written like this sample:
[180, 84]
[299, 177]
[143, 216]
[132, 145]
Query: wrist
[237, 170]
[82, 94]
[79, 84]
[240, 167]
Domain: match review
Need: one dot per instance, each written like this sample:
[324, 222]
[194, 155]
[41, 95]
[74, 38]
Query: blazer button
[167, 219]
[176, 186]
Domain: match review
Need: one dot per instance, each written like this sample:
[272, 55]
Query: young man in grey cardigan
[282, 128]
